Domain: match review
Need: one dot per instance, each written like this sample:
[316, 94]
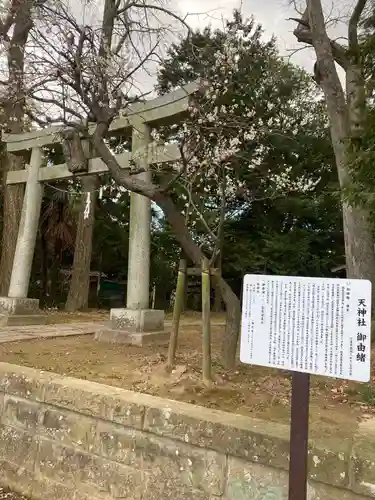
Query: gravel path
[5, 494]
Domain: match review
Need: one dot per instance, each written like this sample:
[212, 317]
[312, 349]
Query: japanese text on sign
[313, 325]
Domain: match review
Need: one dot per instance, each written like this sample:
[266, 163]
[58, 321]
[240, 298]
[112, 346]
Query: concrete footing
[139, 339]
[135, 327]
[21, 312]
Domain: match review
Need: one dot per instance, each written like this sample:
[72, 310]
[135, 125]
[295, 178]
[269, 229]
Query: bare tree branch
[159, 8]
[119, 174]
[353, 24]
[303, 34]
[198, 212]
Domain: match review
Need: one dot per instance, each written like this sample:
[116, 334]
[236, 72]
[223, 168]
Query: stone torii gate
[136, 323]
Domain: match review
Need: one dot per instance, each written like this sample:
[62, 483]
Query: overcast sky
[271, 14]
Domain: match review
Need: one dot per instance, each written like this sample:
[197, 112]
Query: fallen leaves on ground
[6, 494]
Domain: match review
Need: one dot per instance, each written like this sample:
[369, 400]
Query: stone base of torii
[135, 324]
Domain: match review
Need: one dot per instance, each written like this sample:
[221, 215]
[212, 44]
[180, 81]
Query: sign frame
[299, 427]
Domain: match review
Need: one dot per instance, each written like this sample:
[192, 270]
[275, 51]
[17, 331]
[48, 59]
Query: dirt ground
[336, 406]
[55, 316]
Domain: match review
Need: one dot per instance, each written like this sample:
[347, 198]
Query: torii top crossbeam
[170, 106]
[153, 111]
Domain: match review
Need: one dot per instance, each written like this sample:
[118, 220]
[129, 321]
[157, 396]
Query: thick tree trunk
[232, 326]
[13, 199]
[359, 244]
[12, 120]
[80, 280]
[217, 300]
[359, 240]
[346, 117]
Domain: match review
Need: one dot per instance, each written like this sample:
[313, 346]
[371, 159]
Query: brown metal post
[299, 436]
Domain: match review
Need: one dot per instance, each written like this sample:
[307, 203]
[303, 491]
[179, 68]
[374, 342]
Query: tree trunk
[346, 116]
[55, 276]
[12, 120]
[218, 299]
[359, 240]
[359, 244]
[192, 250]
[220, 241]
[13, 199]
[43, 298]
[80, 281]
[232, 325]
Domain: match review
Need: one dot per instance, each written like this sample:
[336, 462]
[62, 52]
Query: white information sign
[312, 325]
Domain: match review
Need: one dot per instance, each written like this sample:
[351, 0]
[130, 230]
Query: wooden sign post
[308, 326]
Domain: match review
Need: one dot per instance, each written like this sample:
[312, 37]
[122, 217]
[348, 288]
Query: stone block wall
[69, 439]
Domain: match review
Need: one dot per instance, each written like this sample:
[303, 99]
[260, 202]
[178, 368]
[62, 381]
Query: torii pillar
[137, 324]
[17, 309]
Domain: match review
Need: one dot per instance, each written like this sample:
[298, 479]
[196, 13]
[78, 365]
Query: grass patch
[368, 394]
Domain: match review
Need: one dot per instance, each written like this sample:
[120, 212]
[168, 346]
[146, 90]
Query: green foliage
[111, 231]
[283, 215]
[368, 394]
[361, 162]
[293, 236]
[165, 255]
[361, 149]
[195, 55]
